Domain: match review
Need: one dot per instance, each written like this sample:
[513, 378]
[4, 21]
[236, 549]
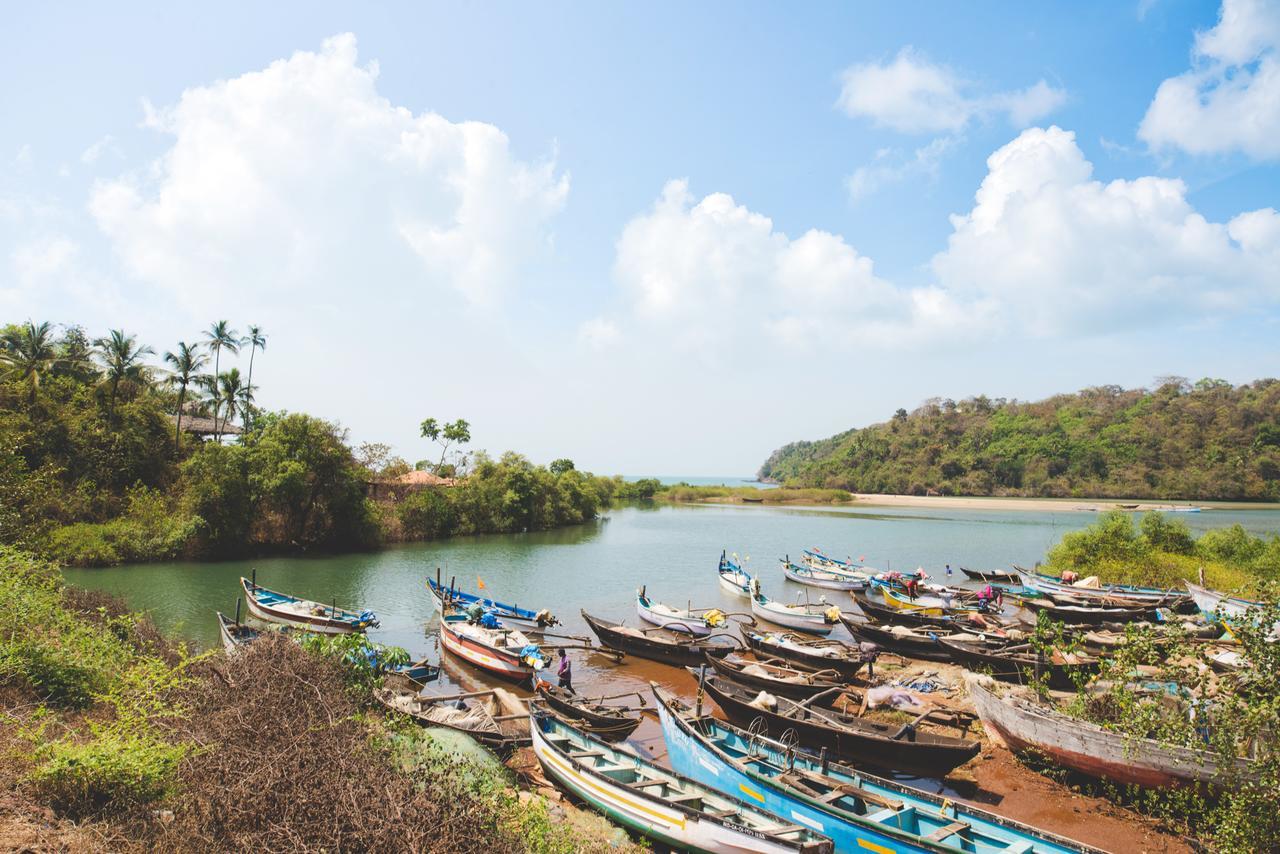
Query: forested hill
[1207, 440]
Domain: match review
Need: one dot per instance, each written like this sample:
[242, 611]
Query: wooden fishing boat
[828, 579]
[235, 635]
[1018, 663]
[1088, 615]
[1088, 748]
[901, 747]
[1215, 605]
[948, 604]
[816, 559]
[733, 578]
[917, 642]
[879, 612]
[816, 619]
[991, 575]
[412, 676]
[775, 678]
[858, 811]
[302, 613]
[449, 597]
[1126, 593]
[656, 644]
[656, 803]
[693, 621]
[814, 654]
[496, 718]
[612, 723]
[503, 651]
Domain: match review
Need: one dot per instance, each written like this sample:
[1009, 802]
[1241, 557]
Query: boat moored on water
[991, 575]
[656, 803]
[809, 653]
[304, 614]
[693, 621]
[857, 811]
[828, 579]
[655, 644]
[235, 635]
[733, 577]
[489, 645]
[818, 619]
[448, 597]
[818, 560]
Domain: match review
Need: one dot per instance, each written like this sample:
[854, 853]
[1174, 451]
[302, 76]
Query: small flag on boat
[862, 559]
[479, 582]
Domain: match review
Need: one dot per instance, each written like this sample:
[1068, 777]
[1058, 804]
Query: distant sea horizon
[702, 480]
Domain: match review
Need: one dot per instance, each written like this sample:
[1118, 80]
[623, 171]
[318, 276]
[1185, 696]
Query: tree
[218, 337]
[122, 358]
[232, 394]
[27, 352]
[187, 363]
[256, 341]
[560, 466]
[446, 435]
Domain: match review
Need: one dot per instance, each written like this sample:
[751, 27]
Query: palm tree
[122, 358]
[230, 392]
[256, 341]
[186, 363]
[218, 337]
[28, 352]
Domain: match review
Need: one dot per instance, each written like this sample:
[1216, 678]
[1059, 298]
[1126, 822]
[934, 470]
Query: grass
[739, 494]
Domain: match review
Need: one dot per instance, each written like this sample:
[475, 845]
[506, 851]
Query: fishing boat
[1019, 663]
[496, 718]
[733, 577]
[816, 559]
[828, 579]
[809, 653]
[412, 676]
[1088, 615]
[449, 597]
[235, 635]
[902, 747]
[652, 801]
[859, 812]
[879, 612]
[914, 642]
[656, 644]
[1215, 605]
[1026, 726]
[612, 723]
[774, 677]
[816, 619]
[991, 575]
[1121, 593]
[945, 604]
[298, 613]
[691, 621]
[503, 651]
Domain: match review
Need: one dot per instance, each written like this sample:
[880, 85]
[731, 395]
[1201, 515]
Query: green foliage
[781, 495]
[1178, 441]
[148, 530]
[363, 661]
[111, 770]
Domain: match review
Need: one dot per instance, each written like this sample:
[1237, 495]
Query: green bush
[111, 771]
[148, 531]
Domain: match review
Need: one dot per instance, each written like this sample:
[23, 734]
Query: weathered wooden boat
[449, 597]
[495, 718]
[733, 578]
[656, 644]
[817, 619]
[809, 653]
[611, 723]
[1128, 593]
[1019, 663]
[945, 603]
[302, 613]
[816, 559]
[775, 678]
[235, 635]
[1088, 748]
[1215, 605]
[503, 651]
[991, 575]
[690, 621]
[915, 642]
[656, 803]
[412, 676]
[827, 579]
[858, 811]
[1088, 615]
[902, 747]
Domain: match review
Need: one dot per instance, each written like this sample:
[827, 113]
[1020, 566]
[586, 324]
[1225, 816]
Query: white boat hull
[792, 618]
[273, 616]
[689, 625]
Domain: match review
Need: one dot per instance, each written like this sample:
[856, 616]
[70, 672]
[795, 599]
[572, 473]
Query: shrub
[112, 771]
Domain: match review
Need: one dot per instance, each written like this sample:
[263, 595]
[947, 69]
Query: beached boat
[495, 718]
[813, 654]
[733, 577]
[858, 811]
[1088, 615]
[828, 579]
[656, 644]
[914, 642]
[775, 678]
[1019, 663]
[817, 619]
[897, 746]
[448, 598]
[656, 803]
[298, 613]
[991, 575]
[690, 621]
[1027, 726]
[1215, 605]
[412, 676]
[235, 635]
[612, 723]
[503, 651]
[945, 603]
[1120, 593]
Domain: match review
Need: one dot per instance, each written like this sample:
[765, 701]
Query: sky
[659, 238]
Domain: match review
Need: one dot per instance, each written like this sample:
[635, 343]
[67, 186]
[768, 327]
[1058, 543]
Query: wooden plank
[950, 830]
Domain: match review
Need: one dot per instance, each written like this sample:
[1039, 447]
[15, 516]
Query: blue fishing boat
[858, 812]
[1118, 593]
[275, 607]
[816, 559]
[733, 577]
[451, 597]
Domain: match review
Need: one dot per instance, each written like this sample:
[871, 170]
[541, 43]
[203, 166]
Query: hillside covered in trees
[1207, 440]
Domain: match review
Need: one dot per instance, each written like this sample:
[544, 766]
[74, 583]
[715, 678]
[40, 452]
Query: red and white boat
[503, 651]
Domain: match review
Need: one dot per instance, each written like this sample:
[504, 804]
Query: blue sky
[658, 238]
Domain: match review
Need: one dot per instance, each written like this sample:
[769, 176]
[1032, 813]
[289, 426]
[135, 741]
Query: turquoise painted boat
[857, 811]
[447, 597]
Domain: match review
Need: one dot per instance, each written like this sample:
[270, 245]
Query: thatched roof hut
[202, 426]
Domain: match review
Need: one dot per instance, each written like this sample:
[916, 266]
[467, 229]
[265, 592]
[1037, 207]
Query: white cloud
[913, 95]
[1062, 253]
[107, 144]
[1230, 99]
[301, 177]
[598, 333]
[890, 168]
[42, 258]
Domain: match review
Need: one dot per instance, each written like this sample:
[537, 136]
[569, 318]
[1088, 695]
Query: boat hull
[508, 613]
[495, 661]
[846, 665]
[688, 654]
[925, 648]
[306, 622]
[822, 578]
[1137, 596]
[686, 624]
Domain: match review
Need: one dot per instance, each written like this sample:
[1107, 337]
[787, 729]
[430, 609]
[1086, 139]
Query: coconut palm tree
[122, 359]
[186, 363]
[230, 393]
[256, 341]
[28, 353]
[218, 337]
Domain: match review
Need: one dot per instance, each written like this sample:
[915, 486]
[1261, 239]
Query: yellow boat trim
[750, 793]
[559, 763]
[871, 846]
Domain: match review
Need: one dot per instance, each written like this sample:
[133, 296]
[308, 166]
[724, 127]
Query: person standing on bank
[565, 673]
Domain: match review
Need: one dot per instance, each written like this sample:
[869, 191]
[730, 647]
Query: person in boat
[912, 586]
[1069, 576]
[870, 652]
[990, 599]
[566, 673]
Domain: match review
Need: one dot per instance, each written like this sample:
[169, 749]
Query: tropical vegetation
[1207, 440]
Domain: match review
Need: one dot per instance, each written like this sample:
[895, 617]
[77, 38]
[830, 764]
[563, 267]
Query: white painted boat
[816, 559]
[503, 651]
[733, 578]
[235, 635]
[698, 622]
[827, 579]
[274, 607]
[817, 619]
[1220, 607]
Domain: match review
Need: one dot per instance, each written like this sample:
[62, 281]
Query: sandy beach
[1082, 505]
